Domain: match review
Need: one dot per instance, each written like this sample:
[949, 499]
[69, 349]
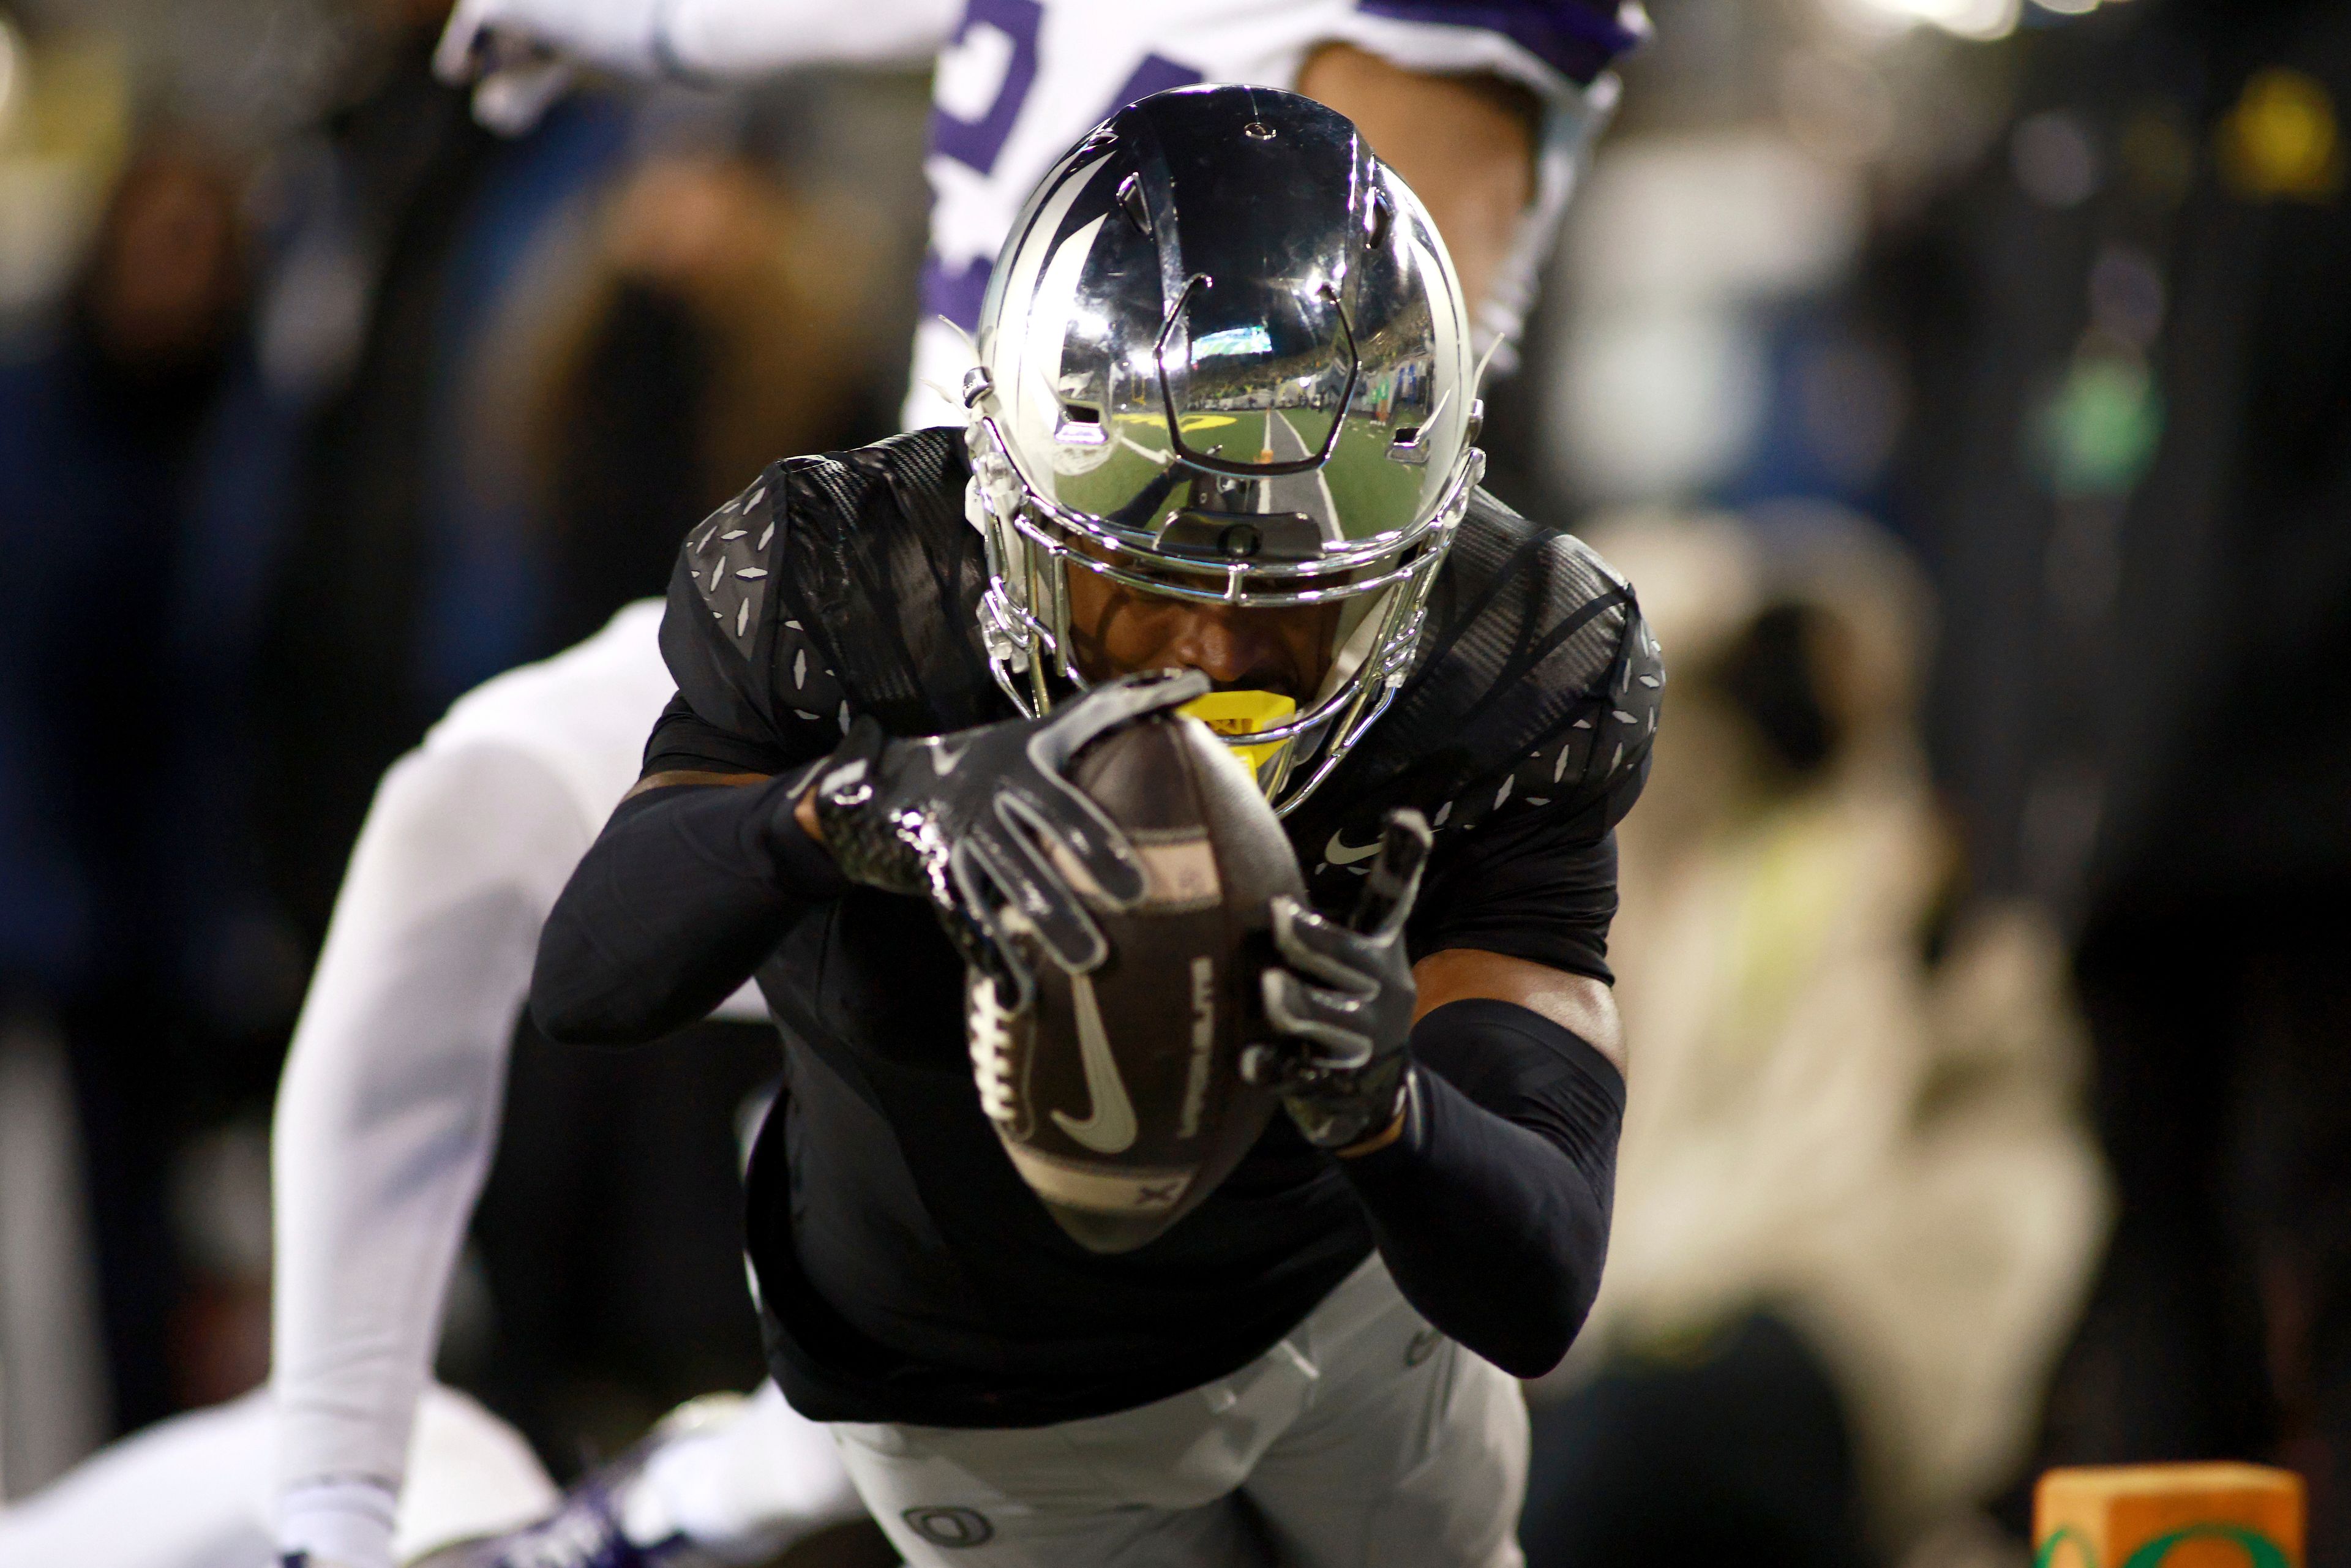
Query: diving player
[1222, 431]
[340, 1452]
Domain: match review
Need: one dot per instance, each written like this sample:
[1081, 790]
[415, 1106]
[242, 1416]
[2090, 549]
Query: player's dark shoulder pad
[1536, 689]
[832, 585]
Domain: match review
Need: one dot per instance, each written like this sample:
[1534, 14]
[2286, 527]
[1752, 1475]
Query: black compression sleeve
[1492, 1209]
[678, 900]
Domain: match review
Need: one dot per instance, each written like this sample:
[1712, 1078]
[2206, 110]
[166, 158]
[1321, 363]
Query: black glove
[1340, 1066]
[983, 824]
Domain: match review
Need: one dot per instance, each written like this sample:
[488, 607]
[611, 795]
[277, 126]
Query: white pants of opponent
[1364, 1439]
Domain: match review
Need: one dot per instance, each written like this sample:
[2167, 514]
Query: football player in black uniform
[1222, 434]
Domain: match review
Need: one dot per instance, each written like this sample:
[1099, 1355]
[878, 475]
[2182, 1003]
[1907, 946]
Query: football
[1118, 1092]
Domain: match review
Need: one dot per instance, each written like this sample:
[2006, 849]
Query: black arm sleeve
[678, 900]
[1492, 1209]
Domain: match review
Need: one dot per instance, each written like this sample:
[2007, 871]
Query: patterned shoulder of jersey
[1594, 759]
[1609, 741]
[728, 554]
[815, 588]
[732, 553]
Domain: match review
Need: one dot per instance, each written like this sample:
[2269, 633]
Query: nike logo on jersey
[1108, 1127]
[946, 760]
[1338, 851]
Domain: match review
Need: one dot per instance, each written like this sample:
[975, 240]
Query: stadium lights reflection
[12, 60]
[1979, 19]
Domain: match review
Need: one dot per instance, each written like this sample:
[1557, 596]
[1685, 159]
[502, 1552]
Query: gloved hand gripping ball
[1117, 1089]
[986, 825]
[1343, 1005]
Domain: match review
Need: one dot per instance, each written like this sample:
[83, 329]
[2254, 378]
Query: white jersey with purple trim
[388, 1115]
[1019, 81]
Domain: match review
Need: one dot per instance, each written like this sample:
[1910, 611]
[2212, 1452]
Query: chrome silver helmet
[1224, 357]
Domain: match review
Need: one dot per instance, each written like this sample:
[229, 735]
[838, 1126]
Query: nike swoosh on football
[1338, 851]
[1108, 1127]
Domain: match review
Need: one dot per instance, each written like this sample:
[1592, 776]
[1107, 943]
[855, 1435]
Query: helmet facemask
[1262, 400]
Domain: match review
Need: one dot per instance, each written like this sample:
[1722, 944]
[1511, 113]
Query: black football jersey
[907, 1272]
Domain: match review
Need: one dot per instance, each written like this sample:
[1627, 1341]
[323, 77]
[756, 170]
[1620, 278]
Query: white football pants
[1366, 1439]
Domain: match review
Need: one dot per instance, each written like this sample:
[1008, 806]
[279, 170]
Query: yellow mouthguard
[1245, 713]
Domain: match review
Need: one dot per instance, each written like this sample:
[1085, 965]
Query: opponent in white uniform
[389, 1113]
[1018, 81]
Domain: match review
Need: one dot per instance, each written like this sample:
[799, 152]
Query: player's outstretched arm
[520, 53]
[690, 886]
[694, 881]
[705, 865]
[388, 1115]
[1490, 1201]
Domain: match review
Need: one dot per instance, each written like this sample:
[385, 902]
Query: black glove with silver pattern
[984, 825]
[1344, 1004]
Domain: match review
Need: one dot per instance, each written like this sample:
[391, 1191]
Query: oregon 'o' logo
[2259, 1550]
[949, 1527]
[2047, 1556]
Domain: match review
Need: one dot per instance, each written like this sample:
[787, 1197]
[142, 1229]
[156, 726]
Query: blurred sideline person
[721, 312]
[2132, 460]
[386, 1122]
[343, 1440]
[143, 458]
[417, 247]
[1858, 1202]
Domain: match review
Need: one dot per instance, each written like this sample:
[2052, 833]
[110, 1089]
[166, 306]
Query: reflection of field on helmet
[1224, 357]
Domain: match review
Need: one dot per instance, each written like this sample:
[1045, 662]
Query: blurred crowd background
[1965, 384]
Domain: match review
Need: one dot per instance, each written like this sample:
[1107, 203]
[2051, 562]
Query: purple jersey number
[957, 292]
[976, 142]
